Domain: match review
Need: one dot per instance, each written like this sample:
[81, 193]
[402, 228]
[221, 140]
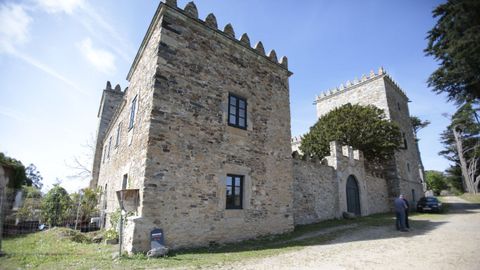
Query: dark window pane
[241, 103]
[234, 191]
[241, 122]
[132, 112]
[232, 119]
[237, 108]
[229, 180]
[229, 201]
[233, 100]
[241, 113]
[237, 181]
[237, 201]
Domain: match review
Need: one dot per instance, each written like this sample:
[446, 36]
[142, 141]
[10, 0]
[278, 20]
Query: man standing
[407, 226]
[400, 208]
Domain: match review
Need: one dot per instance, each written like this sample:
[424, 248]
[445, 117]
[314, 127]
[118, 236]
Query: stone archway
[353, 196]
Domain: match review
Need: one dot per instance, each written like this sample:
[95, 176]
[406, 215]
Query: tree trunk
[472, 169]
[467, 183]
[477, 180]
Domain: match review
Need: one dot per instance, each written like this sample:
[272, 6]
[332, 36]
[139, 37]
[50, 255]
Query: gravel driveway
[448, 241]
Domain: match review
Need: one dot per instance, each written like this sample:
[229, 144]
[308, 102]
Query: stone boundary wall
[315, 192]
[319, 190]
[378, 199]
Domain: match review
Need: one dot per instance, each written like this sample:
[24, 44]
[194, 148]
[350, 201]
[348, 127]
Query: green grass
[55, 248]
[474, 198]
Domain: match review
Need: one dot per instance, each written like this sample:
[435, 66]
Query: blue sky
[56, 56]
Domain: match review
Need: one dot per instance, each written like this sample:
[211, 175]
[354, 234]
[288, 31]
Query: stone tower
[405, 173]
[203, 134]
[111, 99]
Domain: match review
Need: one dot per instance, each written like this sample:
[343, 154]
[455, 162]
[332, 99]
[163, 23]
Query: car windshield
[432, 200]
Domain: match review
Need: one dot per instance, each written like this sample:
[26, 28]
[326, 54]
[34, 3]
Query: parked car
[430, 204]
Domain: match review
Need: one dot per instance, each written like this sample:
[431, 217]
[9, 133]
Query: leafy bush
[110, 234]
[19, 177]
[56, 206]
[436, 181]
[31, 203]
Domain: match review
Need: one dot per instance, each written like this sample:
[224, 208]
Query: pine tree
[455, 43]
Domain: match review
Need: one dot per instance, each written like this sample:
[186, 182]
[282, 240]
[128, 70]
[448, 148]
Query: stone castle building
[405, 172]
[200, 140]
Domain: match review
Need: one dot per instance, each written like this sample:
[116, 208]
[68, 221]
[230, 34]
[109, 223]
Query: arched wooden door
[353, 196]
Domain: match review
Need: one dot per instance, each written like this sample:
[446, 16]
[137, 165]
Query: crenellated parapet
[351, 84]
[338, 152]
[211, 22]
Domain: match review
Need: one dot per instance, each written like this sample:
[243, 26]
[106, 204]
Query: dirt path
[449, 241]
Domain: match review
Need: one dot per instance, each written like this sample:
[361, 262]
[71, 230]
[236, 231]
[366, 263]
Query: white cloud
[96, 22]
[48, 70]
[103, 60]
[14, 28]
[55, 6]
[14, 31]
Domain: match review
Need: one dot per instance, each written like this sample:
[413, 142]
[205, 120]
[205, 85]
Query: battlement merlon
[108, 88]
[356, 82]
[191, 12]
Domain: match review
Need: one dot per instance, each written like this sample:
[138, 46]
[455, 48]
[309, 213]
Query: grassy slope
[471, 197]
[53, 250]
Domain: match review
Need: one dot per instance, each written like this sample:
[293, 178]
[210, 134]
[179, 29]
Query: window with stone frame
[117, 139]
[133, 108]
[234, 191]
[109, 146]
[237, 111]
[124, 181]
[104, 153]
[405, 145]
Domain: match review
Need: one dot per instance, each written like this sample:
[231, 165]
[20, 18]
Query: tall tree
[454, 178]
[462, 145]
[86, 203]
[34, 176]
[455, 43]
[362, 127]
[418, 124]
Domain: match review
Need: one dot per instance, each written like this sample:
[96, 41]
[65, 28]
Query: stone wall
[181, 148]
[315, 192]
[370, 91]
[408, 164]
[320, 189]
[110, 103]
[377, 199]
[128, 157]
[192, 148]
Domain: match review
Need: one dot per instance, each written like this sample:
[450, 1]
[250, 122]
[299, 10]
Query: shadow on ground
[375, 227]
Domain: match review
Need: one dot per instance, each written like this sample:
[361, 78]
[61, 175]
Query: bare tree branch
[81, 165]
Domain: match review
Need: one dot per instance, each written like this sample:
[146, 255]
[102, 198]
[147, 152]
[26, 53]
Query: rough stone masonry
[202, 137]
